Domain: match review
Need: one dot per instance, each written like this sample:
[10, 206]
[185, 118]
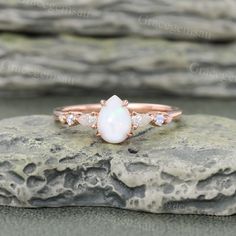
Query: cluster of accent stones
[87, 119]
[90, 120]
[143, 119]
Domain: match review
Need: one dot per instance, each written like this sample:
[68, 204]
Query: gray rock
[132, 65]
[137, 46]
[188, 167]
[208, 20]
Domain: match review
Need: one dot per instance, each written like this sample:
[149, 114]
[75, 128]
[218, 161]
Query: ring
[116, 119]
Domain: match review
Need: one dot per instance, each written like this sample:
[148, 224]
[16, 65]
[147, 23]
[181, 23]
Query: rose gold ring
[114, 119]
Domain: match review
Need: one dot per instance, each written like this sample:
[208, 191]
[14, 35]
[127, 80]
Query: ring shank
[173, 112]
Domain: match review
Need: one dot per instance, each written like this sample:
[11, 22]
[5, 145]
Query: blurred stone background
[145, 50]
[138, 47]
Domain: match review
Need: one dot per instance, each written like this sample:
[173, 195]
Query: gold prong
[79, 113]
[135, 127]
[94, 126]
[62, 119]
[168, 120]
[134, 113]
[98, 134]
[94, 113]
[103, 102]
[152, 117]
[129, 135]
[125, 103]
[74, 124]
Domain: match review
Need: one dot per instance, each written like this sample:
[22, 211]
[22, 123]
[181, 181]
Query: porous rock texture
[187, 167]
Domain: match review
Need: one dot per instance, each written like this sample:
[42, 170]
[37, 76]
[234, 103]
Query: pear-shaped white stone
[114, 121]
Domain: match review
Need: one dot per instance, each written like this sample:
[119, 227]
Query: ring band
[114, 119]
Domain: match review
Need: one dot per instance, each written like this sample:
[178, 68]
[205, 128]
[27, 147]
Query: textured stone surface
[188, 167]
[131, 46]
[183, 19]
[131, 65]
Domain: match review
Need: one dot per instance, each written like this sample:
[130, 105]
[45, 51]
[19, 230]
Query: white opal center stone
[114, 121]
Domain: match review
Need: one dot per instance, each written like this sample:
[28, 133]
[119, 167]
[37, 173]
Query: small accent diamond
[159, 120]
[88, 120]
[70, 119]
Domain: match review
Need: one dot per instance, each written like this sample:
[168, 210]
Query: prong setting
[62, 119]
[116, 119]
[125, 103]
[129, 135]
[94, 126]
[94, 113]
[103, 103]
[71, 119]
[159, 119]
[134, 127]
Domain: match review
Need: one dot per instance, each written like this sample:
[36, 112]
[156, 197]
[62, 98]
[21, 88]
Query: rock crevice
[175, 169]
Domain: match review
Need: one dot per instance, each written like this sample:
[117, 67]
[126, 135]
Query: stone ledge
[187, 168]
[185, 20]
[128, 65]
